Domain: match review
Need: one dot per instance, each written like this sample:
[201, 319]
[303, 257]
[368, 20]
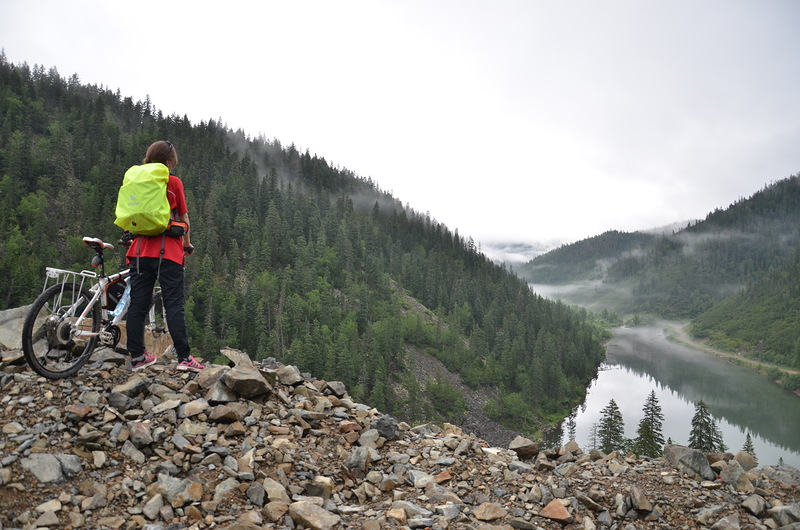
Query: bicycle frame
[110, 319]
[76, 313]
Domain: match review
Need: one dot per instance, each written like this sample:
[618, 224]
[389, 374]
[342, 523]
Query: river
[641, 360]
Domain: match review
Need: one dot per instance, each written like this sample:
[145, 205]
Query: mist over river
[643, 359]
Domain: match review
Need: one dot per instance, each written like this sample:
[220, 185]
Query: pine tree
[649, 438]
[705, 436]
[719, 444]
[593, 439]
[571, 427]
[612, 429]
[748, 447]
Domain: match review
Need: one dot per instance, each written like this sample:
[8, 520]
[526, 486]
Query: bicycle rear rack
[55, 276]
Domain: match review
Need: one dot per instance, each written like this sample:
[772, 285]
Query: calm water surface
[642, 359]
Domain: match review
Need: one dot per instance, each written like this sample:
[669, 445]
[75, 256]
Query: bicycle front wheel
[48, 334]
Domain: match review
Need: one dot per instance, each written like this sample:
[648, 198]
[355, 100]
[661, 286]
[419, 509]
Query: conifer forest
[295, 258]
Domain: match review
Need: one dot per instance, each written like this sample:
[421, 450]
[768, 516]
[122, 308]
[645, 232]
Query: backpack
[142, 203]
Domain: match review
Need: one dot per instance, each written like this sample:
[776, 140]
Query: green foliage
[791, 381]
[761, 319]
[447, 402]
[296, 259]
[748, 447]
[649, 439]
[611, 429]
[705, 435]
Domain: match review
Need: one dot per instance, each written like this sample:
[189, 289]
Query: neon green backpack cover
[142, 204]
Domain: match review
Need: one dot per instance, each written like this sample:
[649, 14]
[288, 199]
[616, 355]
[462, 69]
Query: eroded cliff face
[263, 446]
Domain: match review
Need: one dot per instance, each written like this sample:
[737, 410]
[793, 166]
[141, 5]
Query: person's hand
[188, 250]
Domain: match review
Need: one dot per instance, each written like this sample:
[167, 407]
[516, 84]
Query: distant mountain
[682, 274]
[514, 252]
[588, 259]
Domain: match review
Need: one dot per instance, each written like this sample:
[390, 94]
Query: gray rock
[120, 401]
[256, 494]
[690, 461]
[241, 463]
[524, 447]
[219, 392]
[731, 522]
[387, 427]
[639, 500]
[289, 375]
[224, 488]
[153, 506]
[313, 516]
[369, 438]
[11, 321]
[45, 467]
[246, 382]
[419, 479]
[359, 459]
[421, 522]
[70, 464]
[441, 495]
[448, 511]
[132, 387]
[140, 435]
[412, 510]
[784, 473]
[46, 519]
[755, 504]
[589, 502]
[520, 467]
[237, 357]
[785, 515]
[275, 491]
[337, 388]
[746, 460]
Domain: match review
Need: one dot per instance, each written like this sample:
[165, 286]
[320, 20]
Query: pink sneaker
[190, 365]
[145, 361]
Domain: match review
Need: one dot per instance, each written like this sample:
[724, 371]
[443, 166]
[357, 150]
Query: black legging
[144, 273]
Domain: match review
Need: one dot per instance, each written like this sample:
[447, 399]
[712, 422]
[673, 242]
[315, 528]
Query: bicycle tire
[46, 341]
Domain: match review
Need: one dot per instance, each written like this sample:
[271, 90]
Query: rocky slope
[262, 446]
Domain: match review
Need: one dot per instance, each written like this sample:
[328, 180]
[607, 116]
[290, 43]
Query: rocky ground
[250, 446]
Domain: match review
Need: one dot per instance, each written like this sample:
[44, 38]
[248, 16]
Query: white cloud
[508, 120]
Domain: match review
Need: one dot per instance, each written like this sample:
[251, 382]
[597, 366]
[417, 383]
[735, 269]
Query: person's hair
[162, 151]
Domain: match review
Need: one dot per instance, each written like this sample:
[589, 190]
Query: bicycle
[79, 312]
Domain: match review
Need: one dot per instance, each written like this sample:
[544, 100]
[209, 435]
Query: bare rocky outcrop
[258, 445]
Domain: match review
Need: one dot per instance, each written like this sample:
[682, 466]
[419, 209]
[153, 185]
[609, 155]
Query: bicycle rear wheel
[47, 338]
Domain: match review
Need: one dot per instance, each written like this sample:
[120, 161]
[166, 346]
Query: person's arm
[187, 240]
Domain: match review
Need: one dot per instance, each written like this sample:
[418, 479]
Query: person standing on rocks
[161, 258]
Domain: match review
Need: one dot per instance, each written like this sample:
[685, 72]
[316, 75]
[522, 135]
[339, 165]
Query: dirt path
[676, 331]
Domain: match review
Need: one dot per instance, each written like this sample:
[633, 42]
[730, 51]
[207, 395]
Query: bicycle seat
[96, 243]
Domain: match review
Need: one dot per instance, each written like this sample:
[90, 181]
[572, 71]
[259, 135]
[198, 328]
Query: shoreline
[676, 332]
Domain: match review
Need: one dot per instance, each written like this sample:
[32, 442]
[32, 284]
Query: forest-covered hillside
[295, 259]
[748, 250]
[762, 320]
[588, 259]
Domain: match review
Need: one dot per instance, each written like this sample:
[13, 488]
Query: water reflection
[642, 359]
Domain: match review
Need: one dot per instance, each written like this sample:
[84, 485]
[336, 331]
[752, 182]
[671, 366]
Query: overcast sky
[523, 121]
